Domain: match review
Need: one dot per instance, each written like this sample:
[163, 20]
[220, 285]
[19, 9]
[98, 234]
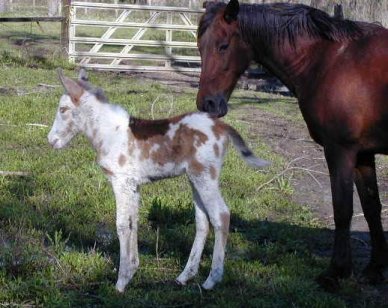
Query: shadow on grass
[248, 100]
[172, 227]
[19, 38]
[269, 262]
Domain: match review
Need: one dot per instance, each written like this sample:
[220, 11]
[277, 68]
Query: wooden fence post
[65, 27]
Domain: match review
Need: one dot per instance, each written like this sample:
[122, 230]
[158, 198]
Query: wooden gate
[123, 37]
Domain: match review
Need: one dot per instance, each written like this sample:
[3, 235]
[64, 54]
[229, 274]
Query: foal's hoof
[121, 284]
[180, 282]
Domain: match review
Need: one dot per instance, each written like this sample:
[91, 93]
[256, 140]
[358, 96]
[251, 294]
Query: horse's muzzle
[215, 105]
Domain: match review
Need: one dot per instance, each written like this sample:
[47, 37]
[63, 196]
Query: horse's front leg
[127, 200]
[341, 162]
[366, 183]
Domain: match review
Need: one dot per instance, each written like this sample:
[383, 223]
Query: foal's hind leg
[341, 162]
[202, 230]
[369, 195]
[127, 200]
[219, 216]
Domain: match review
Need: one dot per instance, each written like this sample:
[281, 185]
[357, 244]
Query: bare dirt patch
[306, 160]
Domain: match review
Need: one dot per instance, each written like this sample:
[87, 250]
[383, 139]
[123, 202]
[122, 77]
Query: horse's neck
[102, 121]
[290, 61]
[291, 64]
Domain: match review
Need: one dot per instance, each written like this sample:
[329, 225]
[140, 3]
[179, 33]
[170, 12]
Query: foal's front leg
[127, 201]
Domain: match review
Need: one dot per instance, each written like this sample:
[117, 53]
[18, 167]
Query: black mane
[274, 23]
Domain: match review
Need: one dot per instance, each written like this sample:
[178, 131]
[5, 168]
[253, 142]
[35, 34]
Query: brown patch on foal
[216, 150]
[94, 133]
[185, 144]
[225, 220]
[107, 171]
[144, 129]
[122, 160]
[182, 147]
[213, 172]
[218, 129]
[196, 167]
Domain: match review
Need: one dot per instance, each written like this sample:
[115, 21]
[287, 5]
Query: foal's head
[224, 55]
[66, 124]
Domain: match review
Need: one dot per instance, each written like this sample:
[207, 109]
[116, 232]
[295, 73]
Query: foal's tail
[243, 149]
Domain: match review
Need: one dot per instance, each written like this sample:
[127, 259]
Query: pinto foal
[132, 152]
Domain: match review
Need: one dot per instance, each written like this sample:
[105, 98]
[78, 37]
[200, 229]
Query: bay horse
[133, 151]
[338, 71]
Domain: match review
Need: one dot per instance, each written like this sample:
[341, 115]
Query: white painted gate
[126, 37]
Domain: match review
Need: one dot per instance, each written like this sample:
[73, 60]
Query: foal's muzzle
[215, 105]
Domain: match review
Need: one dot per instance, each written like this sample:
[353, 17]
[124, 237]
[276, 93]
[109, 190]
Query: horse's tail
[244, 151]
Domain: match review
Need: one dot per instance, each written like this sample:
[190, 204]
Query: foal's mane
[97, 92]
[274, 23]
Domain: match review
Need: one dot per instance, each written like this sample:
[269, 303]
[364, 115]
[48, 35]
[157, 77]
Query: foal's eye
[63, 109]
[223, 47]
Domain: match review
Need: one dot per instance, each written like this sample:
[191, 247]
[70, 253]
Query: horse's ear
[71, 87]
[231, 11]
[83, 75]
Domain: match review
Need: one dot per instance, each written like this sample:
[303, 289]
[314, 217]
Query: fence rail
[31, 19]
[87, 5]
[140, 37]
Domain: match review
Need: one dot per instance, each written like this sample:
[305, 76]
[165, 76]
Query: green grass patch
[58, 246]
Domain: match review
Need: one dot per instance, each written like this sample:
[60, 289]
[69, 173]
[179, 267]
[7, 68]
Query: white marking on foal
[132, 151]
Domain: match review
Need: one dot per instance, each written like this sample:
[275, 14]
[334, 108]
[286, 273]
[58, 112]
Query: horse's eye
[63, 109]
[223, 47]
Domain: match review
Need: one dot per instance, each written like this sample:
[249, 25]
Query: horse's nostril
[209, 105]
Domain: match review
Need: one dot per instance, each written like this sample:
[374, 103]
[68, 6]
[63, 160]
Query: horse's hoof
[383, 258]
[372, 275]
[328, 282]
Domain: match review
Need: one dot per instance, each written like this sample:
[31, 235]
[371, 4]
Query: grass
[58, 246]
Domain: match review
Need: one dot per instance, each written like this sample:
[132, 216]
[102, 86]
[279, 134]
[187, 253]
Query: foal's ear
[231, 11]
[83, 75]
[71, 87]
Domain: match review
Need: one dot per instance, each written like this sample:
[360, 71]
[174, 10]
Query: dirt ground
[311, 181]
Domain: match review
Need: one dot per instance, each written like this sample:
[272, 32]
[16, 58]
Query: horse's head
[65, 126]
[224, 55]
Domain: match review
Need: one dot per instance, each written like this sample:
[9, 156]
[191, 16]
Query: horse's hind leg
[201, 232]
[341, 162]
[370, 201]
